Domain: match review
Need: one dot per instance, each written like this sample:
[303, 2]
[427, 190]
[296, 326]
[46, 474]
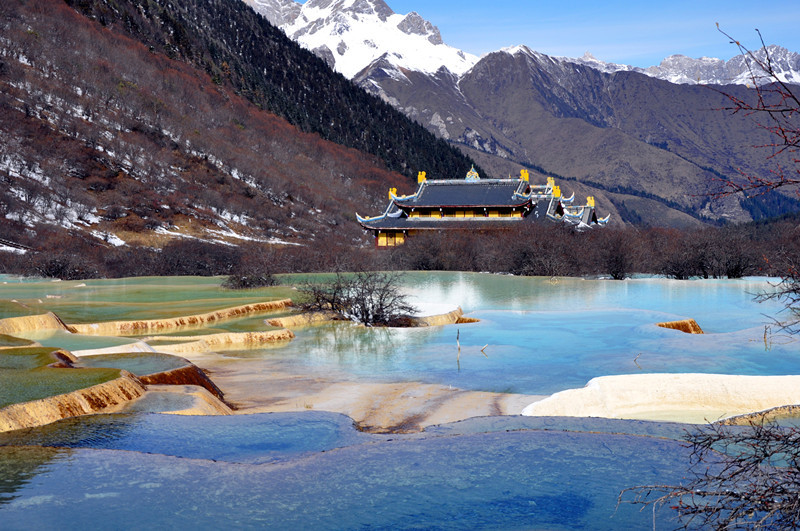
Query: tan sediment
[123, 328]
[202, 402]
[671, 396]
[440, 319]
[29, 323]
[223, 341]
[62, 358]
[259, 386]
[188, 375]
[766, 416]
[688, 326]
[304, 319]
[105, 397]
[138, 346]
[396, 407]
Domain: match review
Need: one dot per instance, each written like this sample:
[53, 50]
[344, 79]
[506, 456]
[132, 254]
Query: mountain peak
[684, 70]
[414, 24]
[351, 34]
[278, 12]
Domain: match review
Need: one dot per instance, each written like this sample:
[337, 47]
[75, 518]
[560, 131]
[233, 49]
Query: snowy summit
[351, 34]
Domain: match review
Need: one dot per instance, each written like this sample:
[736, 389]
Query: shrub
[368, 297]
[257, 280]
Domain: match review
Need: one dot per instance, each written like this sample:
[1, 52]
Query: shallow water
[465, 476]
[313, 470]
[138, 363]
[542, 336]
[139, 298]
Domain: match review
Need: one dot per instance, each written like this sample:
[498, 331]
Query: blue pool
[314, 470]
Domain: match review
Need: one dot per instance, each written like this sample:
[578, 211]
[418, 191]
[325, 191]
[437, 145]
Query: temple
[475, 204]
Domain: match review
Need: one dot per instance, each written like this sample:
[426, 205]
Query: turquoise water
[466, 476]
[312, 470]
[126, 298]
[541, 337]
[139, 363]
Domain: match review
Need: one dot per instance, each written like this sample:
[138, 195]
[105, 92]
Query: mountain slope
[236, 47]
[709, 70]
[351, 34]
[108, 141]
[621, 132]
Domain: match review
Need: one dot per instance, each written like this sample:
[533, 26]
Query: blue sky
[636, 33]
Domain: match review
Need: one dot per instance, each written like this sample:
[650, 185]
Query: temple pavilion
[475, 204]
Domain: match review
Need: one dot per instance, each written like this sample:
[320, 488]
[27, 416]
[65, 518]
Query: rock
[105, 397]
[689, 326]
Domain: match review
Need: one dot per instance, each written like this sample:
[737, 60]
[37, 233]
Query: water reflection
[464, 477]
[315, 471]
[19, 466]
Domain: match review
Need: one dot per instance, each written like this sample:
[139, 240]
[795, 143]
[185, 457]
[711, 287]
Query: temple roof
[482, 193]
[490, 201]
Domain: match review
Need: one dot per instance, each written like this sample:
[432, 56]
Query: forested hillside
[236, 46]
[139, 126]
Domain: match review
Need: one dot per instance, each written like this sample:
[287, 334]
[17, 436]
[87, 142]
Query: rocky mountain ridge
[681, 69]
[166, 121]
[351, 34]
[647, 142]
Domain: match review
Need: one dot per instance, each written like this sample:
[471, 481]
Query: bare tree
[776, 108]
[787, 291]
[741, 478]
[749, 477]
[368, 297]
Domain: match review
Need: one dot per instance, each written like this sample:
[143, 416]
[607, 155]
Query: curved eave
[363, 220]
[401, 204]
[400, 198]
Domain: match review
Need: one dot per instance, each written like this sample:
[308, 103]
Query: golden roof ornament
[472, 175]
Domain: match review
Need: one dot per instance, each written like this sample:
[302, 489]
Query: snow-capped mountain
[351, 34]
[278, 12]
[609, 126]
[684, 70]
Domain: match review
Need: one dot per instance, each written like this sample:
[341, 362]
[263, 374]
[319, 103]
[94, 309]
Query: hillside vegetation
[239, 48]
[115, 135]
